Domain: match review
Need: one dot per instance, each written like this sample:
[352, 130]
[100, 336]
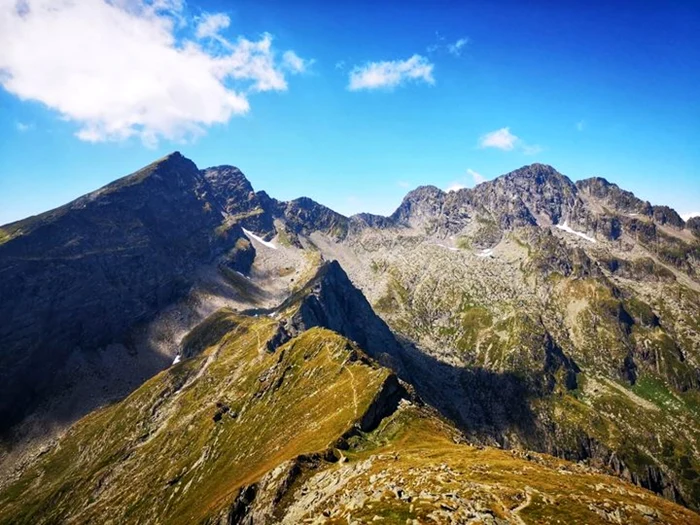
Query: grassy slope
[160, 455]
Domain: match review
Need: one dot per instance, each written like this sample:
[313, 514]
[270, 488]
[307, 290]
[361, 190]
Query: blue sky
[352, 105]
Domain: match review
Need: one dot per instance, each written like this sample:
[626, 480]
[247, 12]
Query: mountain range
[177, 347]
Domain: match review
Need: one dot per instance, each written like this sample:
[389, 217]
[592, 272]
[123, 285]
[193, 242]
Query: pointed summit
[331, 301]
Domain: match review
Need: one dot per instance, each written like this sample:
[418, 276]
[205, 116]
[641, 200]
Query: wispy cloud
[22, 127]
[688, 216]
[294, 63]
[390, 74]
[504, 140]
[123, 68]
[441, 44]
[580, 125]
[464, 182]
[531, 149]
[210, 24]
[340, 64]
[455, 48]
[403, 184]
[477, 177]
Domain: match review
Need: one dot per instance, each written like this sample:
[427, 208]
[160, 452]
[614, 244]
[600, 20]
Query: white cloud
[504, 140]
[340, 64]
[478, 177]
[121, 68]
[500, 139]
[455, 186]
[22, 127]
[389, 74]
[456, 47]
[688, 216]
[210, 25]
[295, 63]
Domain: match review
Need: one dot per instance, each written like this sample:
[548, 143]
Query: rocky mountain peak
[230, 188]
[538, 178]
[330, 300]
[227, 177]
[305, 215]
[420, 204]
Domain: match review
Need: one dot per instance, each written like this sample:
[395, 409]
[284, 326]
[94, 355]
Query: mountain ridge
[573, 304]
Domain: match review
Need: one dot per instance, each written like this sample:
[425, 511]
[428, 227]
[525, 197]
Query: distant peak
[538, 174]
[536, 169]
[174, 156]
[174, 160]
[426, 190]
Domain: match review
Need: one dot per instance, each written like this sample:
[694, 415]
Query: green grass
[164, 438]
[464, 243]
[4, 236]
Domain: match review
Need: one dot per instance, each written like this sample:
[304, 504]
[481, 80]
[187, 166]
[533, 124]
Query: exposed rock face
[420, 205]
[304, 216]
[229, 188]
[79, 276]
[331, 301]
[693, 225]
[613, 196]
[665, 215]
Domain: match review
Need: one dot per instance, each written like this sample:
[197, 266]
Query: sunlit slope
[308, 430]
[180, 447]
[414, 467]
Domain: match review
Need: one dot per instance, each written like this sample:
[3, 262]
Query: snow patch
[177, 359]
[488, 252]
[259, 239]
[568, 229]
[451, 248]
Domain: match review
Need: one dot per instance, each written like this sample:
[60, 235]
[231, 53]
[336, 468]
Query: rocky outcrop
[665, 215]
[331, 301]
[234, 195]
[305, 215]
[693, 224]
[613, 196]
